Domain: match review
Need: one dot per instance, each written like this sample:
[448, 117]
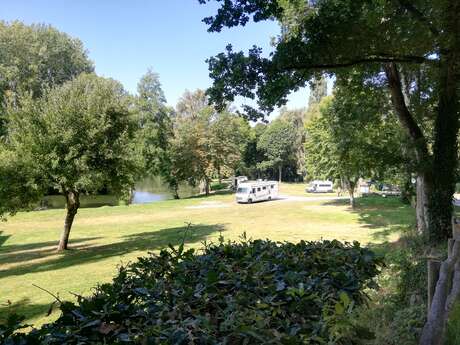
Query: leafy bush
[398, 310]
[453, 326]
[219, 186]
[254, 292]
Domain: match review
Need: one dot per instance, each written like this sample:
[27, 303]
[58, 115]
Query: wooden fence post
[433, 276]
[443, 289]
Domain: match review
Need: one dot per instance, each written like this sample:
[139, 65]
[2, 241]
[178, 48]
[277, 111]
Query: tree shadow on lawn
[3, 239]
[387, 216]
[22, 307]
[14, 253]
[144, 241]
[212, 193]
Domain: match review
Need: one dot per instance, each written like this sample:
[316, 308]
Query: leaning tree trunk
[72, 205]
[422, 157]
[280, 173]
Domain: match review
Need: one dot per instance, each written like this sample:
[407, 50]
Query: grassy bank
[104, 237]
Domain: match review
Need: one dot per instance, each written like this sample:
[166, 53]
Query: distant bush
[254, 292]
[219, 186]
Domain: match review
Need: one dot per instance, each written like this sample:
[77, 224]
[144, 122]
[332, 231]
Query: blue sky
[124, 38]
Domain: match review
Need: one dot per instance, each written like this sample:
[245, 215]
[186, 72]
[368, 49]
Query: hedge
[250, 292]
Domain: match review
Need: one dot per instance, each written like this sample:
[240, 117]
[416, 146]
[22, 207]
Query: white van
[251, 191]
[320, 187]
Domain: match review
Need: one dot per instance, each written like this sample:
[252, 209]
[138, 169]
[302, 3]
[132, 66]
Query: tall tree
[382, 38]
[276, 142]
[228, 135]
[297, 118]
[81, 137]
[32, 59]
[318, 90]
[191, 144]
[155, 123]
[253, 156]
[37, 56]
[352, 138]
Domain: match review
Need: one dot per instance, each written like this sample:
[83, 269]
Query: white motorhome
[252, 191]
[237, 180]
[320, 187]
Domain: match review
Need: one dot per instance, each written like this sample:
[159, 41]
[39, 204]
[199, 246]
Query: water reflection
[141, 197]
[147, 191]
[153, 189]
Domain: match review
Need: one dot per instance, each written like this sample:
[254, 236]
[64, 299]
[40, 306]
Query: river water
[153, 189]
[149, 190]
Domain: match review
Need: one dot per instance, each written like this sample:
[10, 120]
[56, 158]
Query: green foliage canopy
[79, 138]
[37, 56]
[80, 135]
[385, 39]
[277, 144]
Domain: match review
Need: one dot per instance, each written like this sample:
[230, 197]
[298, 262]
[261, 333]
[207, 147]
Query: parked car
[388, 190]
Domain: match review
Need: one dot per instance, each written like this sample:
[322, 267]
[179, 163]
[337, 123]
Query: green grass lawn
[104, 237]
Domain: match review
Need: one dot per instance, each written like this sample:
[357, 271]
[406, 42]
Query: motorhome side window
[258, 189]
[324, 185]
[253, 190]
[264, 187]
[273, 186]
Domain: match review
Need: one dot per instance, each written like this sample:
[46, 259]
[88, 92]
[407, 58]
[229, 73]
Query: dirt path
[283, 197]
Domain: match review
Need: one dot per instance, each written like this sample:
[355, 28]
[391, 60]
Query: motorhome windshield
[242, 190]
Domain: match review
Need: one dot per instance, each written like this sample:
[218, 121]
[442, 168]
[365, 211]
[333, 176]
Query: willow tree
[80, 139]
[411, 46]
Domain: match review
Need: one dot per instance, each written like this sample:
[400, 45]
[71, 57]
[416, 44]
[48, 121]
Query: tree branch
[381, 58]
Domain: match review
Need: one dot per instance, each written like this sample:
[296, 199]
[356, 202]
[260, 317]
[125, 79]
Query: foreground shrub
[397, 312]
[254, 292]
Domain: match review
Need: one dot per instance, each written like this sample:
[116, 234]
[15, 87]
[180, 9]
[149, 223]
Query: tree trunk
[219, 175]
[351, 191]
[175, 191]
[445, 152]
[424, 187]
[280, 173]
[206, 186]
[72, 205]
[351, 185]
[422, 157]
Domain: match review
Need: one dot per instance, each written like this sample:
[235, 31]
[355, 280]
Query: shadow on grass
[137, 242]
[14, 253]
[22, 307]
[387, 216]
[3, 239]
[213, 193]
